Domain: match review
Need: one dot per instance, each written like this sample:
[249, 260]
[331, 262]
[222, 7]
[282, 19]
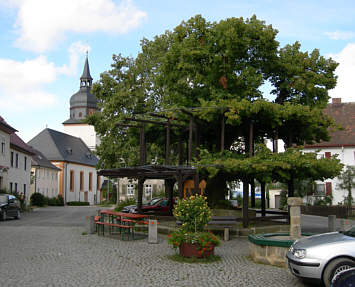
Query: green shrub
[38, 199]
[78, 203]
[128, 201]
[60, 200]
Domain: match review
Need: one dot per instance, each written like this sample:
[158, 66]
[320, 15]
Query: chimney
[336, 100]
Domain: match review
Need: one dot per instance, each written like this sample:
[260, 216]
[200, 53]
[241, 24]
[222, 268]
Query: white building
[82, 104]
[342, 143]
[44, 176]
[19, 173]
[77, 178]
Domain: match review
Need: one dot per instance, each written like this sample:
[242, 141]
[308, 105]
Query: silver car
[322, 256]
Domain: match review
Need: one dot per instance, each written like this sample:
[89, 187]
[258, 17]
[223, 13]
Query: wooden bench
[127, 229]
[225, 222]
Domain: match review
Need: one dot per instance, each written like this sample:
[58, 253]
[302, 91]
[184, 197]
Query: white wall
[76, 194]
[45, 181]
[347, 157]
[4, 158]
[85, 132]
[18, 175]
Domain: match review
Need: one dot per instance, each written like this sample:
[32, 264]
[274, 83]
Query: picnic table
[123, 222]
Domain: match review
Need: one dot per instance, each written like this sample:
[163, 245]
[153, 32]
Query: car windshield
[154, 201]
[350, 232]
[3, 198]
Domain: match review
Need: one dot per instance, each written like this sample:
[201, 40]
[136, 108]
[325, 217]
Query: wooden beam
[154, 122]
[140, 193]
[222, 133]
[190, 142]
[142, 153]
[128, 126]
[167, 144]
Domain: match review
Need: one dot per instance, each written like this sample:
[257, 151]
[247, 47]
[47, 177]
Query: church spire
[86, 79]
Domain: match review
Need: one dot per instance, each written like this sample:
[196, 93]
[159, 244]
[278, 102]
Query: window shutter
[328, 188]
[327, 154]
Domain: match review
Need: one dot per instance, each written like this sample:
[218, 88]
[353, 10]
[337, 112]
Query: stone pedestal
[152, 231]
[294, 204]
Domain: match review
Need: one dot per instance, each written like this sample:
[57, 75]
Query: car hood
[2, 204]
[325, 238]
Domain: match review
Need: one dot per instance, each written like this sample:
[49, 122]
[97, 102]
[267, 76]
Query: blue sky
[43, 44]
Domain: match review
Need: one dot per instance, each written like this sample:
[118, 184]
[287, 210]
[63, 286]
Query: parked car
[9, 207]
[132, 208]
[158, 206]
[322, 256]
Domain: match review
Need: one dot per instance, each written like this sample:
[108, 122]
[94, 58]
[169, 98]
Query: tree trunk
[262, 187]
[252, 193]
[216, 189]
[245, 203]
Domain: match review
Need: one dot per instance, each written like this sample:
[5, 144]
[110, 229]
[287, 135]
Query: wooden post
[180, 184]
[140, 193]
[245, 203]
[142, 151]
[167, 150]
[262, 187]
[190, 142]
[181, 159]
[252, 193]
[197, 139]
[222, 133]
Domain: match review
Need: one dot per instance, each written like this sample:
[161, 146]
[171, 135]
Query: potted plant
[190, 238]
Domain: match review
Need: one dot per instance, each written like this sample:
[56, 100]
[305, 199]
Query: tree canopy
[216, 71]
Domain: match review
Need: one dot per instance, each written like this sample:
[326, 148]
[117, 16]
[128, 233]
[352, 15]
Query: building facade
[342, 144]
[44, 176]
[77, 176]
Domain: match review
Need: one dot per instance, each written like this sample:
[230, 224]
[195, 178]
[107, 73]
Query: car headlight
[299, 253]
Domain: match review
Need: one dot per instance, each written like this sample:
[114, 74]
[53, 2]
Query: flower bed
[194, 214]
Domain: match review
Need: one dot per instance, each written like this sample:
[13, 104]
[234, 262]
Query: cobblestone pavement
[33, 255]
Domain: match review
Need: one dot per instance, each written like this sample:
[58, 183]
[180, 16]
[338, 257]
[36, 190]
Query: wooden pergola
[172, 174]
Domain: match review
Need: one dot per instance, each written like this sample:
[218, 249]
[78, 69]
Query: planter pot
[190, 250]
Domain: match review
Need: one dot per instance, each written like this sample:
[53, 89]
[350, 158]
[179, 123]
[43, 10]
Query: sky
[43, 44]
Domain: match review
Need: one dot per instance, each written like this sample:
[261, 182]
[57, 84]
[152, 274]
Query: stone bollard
[344, 224]
[294, 204]
[152, 231]
[90, 224]
[332, 223]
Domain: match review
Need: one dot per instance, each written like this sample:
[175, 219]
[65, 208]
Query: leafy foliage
[193, 212]
[347, 182]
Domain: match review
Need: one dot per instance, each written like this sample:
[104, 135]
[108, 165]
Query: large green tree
[215, 71]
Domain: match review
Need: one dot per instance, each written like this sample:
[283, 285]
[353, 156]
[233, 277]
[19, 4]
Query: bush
[193, 212]
[38, 199]
[128, 201]
[78, 203]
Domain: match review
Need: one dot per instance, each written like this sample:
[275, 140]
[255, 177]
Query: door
[277, 201]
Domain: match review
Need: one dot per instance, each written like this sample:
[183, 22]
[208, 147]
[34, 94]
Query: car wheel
[3, 215]
[18, 215]
[334, 267]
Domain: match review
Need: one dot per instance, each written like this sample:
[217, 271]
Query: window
[72, 180]
[12, 159]
[25, 165]
[90, 181]
[15, 186]
[3, 147]
[81, 181]
[98, 182]
[148, 189]
[10, 186]
[130, 189]
[24, 188]
[320, 190]
[17, 160]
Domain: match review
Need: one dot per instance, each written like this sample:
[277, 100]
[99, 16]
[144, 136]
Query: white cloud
[345, 73]
[23, 84]
[340, 35]
[43, 23]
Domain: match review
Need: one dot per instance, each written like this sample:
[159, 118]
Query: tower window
[80, 115]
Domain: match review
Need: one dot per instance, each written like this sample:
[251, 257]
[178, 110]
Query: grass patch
[181, 259]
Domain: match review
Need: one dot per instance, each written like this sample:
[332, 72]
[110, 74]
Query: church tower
[82, 104]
